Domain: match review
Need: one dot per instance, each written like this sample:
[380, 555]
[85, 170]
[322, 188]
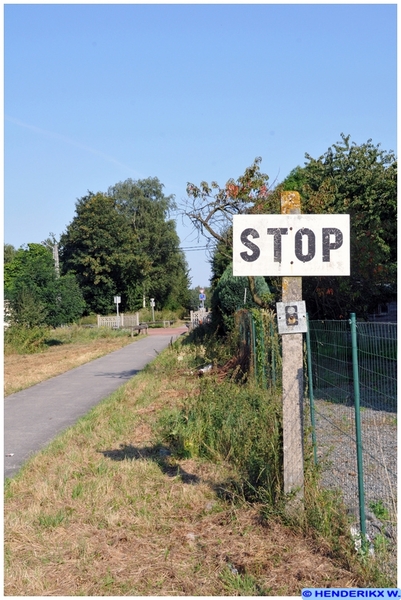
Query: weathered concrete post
[292, 379]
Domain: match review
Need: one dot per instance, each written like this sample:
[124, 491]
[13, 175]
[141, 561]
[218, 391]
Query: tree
[362, 182]
[221, 258]
[36, 294]
[211, 209]
[9, 253]
[163, 272]
[122, 243]
[96, 248]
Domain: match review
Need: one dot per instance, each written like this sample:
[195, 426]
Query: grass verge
[111, 508]
[59, 351]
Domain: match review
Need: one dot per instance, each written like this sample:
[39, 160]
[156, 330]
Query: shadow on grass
[53, 342]
[230, 489]
[158, 454]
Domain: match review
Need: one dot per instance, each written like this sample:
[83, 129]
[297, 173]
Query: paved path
[33, 417]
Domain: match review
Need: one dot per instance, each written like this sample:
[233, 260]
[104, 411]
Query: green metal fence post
[253, 337]
[273, 355]
[359, 448]
[310, 390]
[262, 347]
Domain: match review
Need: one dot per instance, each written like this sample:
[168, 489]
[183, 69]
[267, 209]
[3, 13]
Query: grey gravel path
[33, 417]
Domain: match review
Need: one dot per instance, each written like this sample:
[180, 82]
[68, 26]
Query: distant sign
[202, 296]
[117, 299]
[291, 245]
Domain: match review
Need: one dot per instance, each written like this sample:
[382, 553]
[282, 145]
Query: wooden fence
[120, 321]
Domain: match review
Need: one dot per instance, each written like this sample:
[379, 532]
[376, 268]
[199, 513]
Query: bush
[231, 294]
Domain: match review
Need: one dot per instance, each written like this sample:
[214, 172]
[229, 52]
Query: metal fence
[259, 346]
[353, 408]
[351, 398]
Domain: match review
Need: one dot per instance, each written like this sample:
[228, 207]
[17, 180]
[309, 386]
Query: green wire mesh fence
[352, 385]
[353, 405]
[259, 346]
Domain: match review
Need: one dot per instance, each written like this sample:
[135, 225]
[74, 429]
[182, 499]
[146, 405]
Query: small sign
[152, 302]
[291, 317]
[291, 245]
[117, 299]
[202, 296]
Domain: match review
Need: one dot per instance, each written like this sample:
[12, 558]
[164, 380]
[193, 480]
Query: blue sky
[97, 93]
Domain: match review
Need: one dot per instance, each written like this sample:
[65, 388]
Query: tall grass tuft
[25, 340]
[238, 424]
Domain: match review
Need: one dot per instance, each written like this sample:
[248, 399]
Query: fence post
[359, 448]
[253, 338]
[310, 390]
[273, 355]
[262, 348]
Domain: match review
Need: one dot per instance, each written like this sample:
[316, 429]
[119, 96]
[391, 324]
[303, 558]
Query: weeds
[25, 340]
[379, 510]
[237, 424]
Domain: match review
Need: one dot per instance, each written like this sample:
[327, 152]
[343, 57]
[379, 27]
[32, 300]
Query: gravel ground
[336, 451]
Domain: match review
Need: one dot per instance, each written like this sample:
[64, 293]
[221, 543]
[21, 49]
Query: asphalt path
[33, 417]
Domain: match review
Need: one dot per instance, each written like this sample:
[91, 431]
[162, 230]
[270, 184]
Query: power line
[194, 248]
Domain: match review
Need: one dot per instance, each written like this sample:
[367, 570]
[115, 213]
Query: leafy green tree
[9, 253]
[96, 249]
[221, 257]
[162, 267]
[359, 180]
[123, 243]
[37, 296]
[27, 310]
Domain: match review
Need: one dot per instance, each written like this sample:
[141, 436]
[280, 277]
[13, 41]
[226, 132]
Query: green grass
[22, 340]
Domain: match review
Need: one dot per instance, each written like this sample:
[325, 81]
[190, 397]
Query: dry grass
[106, 510]
[22, 371]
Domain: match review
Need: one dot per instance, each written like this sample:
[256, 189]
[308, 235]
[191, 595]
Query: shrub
[231, 294]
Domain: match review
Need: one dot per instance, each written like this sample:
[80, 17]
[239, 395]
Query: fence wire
[260, 346]
[332, 382]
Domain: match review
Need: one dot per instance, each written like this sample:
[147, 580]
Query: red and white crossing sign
[291, 245]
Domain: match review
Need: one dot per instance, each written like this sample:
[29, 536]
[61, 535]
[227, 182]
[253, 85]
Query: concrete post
[292, 345]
